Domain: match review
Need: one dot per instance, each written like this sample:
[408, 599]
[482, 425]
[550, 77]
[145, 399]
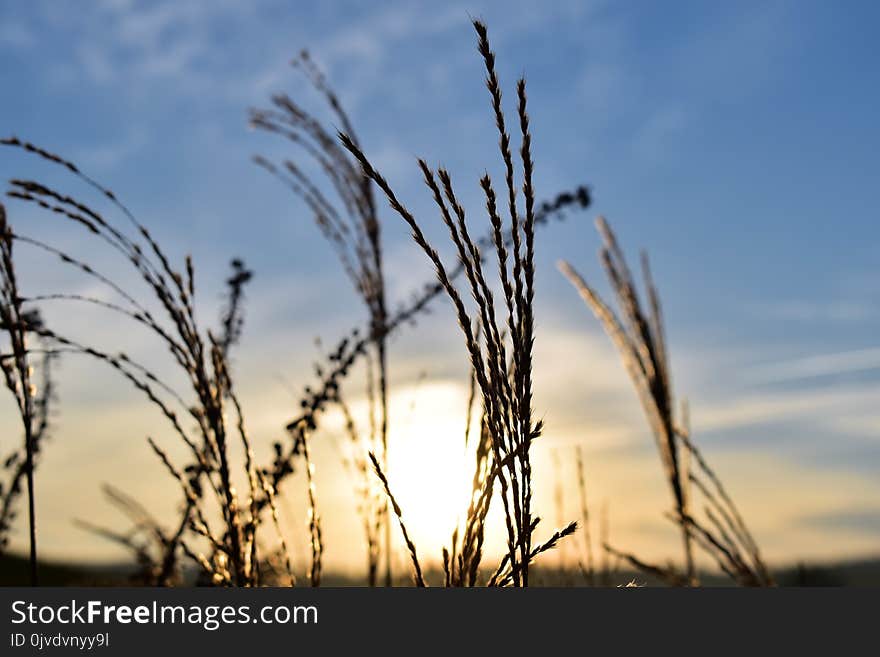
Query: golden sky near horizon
[581, 393]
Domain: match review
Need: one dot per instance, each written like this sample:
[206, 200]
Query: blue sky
[737, 142]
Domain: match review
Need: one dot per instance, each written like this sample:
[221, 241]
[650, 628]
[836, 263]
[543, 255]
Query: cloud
[370, 37]
[16, 36]
[655, 139]
[766, 407]
[803, 310]
[741, 52]
[850, 520]
[107, 156]
[603, 87]
[135, 42]
[815, 366]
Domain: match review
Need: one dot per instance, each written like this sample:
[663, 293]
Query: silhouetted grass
[641, 341]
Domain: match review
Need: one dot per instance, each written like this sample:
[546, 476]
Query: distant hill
[865, 572]
[14, 571]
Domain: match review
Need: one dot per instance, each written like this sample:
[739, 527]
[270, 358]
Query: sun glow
[429, 470]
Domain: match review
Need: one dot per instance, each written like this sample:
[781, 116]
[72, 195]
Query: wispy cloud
[851, 520]
[16, 35]
[815, 366]
[655, 140]
[105, 157]
[819, 310]
[771, 407]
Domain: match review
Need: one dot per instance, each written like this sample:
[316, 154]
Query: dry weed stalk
[207, 480]
[559, 504]
[351, 225]
[349, 221]
[461, 562]
[588, 567]
[316, 543]
[371, 506]
[462, 566]
[505, 386]
[15, 462]
[350, 349]
[640, 339]
[145, 538]
[232, 319]
[417, 569]
[18, 374]
[316, 399]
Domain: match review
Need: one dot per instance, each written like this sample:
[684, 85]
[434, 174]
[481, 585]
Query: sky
[736, 142]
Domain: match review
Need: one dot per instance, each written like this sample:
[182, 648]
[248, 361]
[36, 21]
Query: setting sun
[429, 470]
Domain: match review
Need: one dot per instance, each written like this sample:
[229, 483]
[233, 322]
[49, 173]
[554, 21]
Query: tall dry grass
[18, 375]
[349, 221]
[501, 355]
[639, 336]
[15, 465]
[347, 216]
[230, 553]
